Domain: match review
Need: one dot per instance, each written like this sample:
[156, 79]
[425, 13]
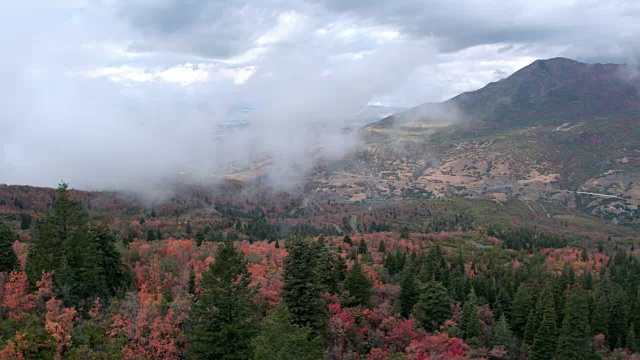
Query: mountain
[557, 130]
[554, 88]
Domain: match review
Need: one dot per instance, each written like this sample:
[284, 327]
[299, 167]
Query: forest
[74, 285]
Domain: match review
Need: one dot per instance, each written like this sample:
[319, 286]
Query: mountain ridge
[557, 86]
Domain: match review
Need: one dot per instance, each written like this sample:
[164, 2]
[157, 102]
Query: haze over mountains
[550, 130]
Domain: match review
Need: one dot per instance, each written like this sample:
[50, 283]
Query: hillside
[557, 130]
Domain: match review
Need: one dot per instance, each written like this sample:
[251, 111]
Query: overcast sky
[122, 93]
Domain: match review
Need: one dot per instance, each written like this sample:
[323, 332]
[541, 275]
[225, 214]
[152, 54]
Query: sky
[128, 94]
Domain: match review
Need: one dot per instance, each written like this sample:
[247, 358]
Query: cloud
[130, 94]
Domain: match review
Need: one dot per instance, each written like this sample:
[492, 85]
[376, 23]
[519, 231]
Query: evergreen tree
[8, 258]
[382, 247]
[618, 324]
[362, 247]
[220, 324]
[25, 221]
[358, 285]
[530, 329]
[188, 229]
[573, 340]
[502, 335]
[632, 342]
[470, 323]
[433, 306]
[280, 339]
[408, 291]
[330, 271]
[347, 240]
[301, 290]
[522, 305]
[191, 285]
[199, 237]
[83, 257]
[600, 317]
[502, 305]
[544, 344]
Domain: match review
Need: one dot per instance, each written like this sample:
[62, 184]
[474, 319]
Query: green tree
[83, 257]
[618, 323]
[220, 322]
[522, 305]
[408, 289]
[573, 340]
[362, 247]
[544, 343]
[502, 335]
[8, 258]
[470, 323]
[25, 221]
[280, 339]
[632, 342]
[433, 306]
[301, 289]
[358, 285]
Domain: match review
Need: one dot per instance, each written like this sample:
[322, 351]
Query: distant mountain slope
[546, 89]
[556, 129]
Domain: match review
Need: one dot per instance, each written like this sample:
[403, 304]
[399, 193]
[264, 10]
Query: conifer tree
[8, 258]
[280, 339]
[83, 257]
[362, 247]
[408, 291]
[544, 344]
[600, 317]
[573, 340]
[358, 285]
[522, 305]
[433, 306]
[632, 342]
[382, 247]
[530, 328]
[618, 324]
[502, 335]
[470, 323]
[220, 322]
[301, 289]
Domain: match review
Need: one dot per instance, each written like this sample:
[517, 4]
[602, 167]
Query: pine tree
[301, 290]
[544, 344]
[191, 285]
[83, 257]
[600, 317]
[8, 258]
[502, 335]
[522, 305]
[618, 323]
[362, 247]
[408, 292]
[280, 339]
[220, 324]
[470, 323]
[433, 306]
[530, 329]
[25, 221]
[573, 340]
[358, 285]
[382, 247]
[347, 240]
[330, 273]
[632, 343]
